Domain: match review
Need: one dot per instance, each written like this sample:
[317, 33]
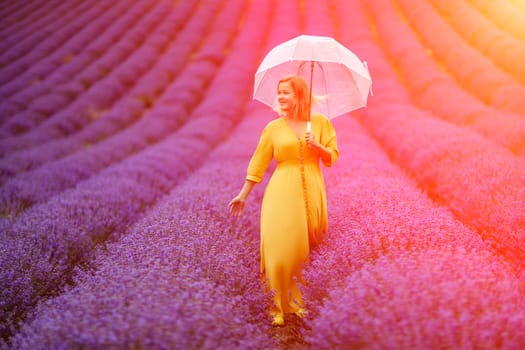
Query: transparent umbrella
[333, 71]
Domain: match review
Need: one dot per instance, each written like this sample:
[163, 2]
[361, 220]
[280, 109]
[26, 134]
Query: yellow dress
[294, 214]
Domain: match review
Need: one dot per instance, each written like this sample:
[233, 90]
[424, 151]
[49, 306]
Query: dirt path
[290, 336]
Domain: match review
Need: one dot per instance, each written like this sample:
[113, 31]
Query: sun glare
[508, 15]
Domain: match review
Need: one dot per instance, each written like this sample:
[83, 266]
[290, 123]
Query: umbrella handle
[309, 129]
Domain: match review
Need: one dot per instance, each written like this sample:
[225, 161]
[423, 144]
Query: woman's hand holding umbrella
[312, 143]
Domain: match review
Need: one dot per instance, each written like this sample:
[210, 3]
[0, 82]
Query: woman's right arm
[237, 204]
[256, 169]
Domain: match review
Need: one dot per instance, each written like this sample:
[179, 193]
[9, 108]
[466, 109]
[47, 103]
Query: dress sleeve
[328, 139]
[261, 158]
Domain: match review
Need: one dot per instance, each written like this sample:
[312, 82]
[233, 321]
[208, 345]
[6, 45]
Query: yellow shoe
[301, 312]
[278, 320]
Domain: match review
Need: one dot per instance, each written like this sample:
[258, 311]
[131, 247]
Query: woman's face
[285, 96]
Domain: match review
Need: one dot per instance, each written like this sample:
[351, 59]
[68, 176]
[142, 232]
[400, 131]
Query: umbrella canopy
[333, 71]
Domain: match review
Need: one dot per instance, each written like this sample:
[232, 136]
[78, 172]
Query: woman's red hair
[302, 96]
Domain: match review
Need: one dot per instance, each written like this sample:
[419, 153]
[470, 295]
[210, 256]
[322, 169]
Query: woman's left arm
[326, 146]
[324, 153]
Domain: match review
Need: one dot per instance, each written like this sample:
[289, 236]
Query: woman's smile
[285, 96]
[285, 104]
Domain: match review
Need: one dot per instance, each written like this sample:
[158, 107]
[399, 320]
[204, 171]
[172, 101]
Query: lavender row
[17, 18]
[356, 35]
[63, 97]
[101, 95]
[35, 94]
[180, 218]
[165, 117]
[369, 223]
[20, 74]
[376, 210]
[473, 69]
[52, 238]
[37, 186]
[479, 181]
[157, 304]
[130, 108]
[70, 225]
[32, 27]
[185, 276]
[477, 168]
[60, 86]
[429, 86]
[389, 26]
[445, 136]
[16, 14]
[502, 47]
[369, 188]
[380, 218]
[421, 300]
[319, 18]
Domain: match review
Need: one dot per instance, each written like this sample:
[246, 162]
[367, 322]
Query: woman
[293, 211]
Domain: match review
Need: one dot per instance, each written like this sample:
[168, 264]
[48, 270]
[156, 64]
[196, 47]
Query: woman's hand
[321, 150]
[311, 141]
[236, 206]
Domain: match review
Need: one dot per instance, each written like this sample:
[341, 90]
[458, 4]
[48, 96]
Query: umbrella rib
[323, 76]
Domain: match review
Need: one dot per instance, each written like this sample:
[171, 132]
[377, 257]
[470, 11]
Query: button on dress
[294, 215]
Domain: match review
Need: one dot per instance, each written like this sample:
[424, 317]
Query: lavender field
[126, 128]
